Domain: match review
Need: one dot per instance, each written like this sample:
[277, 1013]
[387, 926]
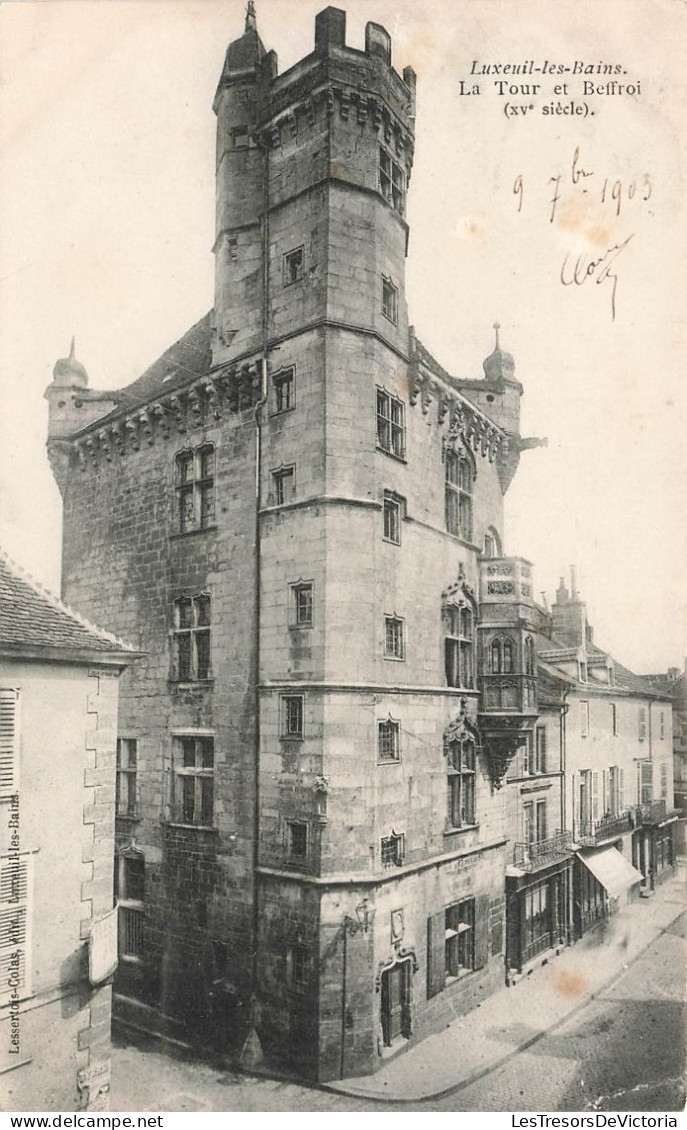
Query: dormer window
[583, 672]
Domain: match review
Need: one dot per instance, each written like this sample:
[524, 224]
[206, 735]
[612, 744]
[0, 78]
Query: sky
[107, 224]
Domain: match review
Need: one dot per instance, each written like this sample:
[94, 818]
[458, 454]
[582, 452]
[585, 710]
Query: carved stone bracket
[502, 739]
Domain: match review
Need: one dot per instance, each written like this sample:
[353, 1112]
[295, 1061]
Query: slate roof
[189, 358]
[32, 617]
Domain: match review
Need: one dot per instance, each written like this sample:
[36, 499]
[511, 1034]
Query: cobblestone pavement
[623, 1051]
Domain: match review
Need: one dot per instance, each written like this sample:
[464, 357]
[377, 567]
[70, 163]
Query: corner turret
[72, 406]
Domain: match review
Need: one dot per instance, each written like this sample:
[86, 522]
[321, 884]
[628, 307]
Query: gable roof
[33, 619]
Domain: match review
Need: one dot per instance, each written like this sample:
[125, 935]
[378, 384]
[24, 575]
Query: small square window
[388, 740]
[284, 483]
[284, 391]
[392, 850]
[393, 513]
[297, 839]
[302, 605]
[239, 137]
[389, 300]
[394, 644]
[294, 265]
[292, 716]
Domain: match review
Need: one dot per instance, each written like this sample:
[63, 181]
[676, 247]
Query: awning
[612, 870]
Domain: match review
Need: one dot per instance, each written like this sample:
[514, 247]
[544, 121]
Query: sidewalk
[512, 1019]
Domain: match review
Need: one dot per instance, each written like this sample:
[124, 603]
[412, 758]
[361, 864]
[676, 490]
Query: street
[624, 1051]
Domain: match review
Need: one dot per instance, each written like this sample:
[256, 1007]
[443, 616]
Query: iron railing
[530, 857]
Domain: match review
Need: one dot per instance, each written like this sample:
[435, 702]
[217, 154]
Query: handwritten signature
[600, 270]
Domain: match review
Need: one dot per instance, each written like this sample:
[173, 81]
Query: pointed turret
[69, 372]
[246, 53]
[499, 366]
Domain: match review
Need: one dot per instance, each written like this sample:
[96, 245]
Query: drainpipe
[652, 835]
[252, 1053]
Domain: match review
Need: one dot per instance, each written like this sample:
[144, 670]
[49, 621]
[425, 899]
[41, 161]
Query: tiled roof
[32, 617]
[189, 358]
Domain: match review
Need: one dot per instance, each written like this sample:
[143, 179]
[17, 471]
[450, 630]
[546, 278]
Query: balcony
[531, 857]
[652, 813]
[593, 832]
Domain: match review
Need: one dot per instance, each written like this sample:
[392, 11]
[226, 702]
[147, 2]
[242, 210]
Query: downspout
[652, 834]
[252, 1053]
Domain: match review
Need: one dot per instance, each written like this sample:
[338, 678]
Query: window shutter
[606, 798]
[595, 796]
[9, 760]
[436, 950]
[621, 790]
[481, 931]
[14, 925]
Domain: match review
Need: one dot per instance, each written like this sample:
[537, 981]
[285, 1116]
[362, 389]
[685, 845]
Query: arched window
[501, 660]
[459, 645]
[529, 655]
[492, 543]
[458, 493]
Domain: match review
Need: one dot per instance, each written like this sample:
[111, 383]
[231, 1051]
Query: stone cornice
[466, 423]
[202, 402]
[332, 95]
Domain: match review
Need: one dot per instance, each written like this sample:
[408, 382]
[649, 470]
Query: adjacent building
[298, 512]
[59, 678]
[590, 794]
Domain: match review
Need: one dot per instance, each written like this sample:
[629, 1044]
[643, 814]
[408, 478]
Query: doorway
[395, 1003]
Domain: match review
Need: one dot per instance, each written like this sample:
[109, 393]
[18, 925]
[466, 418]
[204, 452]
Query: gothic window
[458, 495]
[389, 300]
[284, 398]
[191, 639]
[301, 611]
[492, 544]
[390, 424]
[127, 769]
[193, 780]
[195, 488]
[294, 264]
[388, 740]
[297, 841]
[529, 656]
[461, 783]
[283, 485]
[391, 180]
[459, 646]
[292, 716]
[501, 656]
[394, 643]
